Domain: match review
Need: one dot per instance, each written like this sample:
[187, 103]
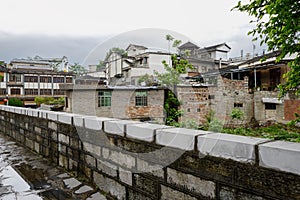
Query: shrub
[15, 102]
[237, 114]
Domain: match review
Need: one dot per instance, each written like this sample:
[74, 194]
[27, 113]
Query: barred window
[104, 98]
[141, 98]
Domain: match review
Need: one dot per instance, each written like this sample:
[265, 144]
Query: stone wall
[134, 160]
[291, 107]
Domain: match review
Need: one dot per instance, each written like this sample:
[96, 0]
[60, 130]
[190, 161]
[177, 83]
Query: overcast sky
[74, 28]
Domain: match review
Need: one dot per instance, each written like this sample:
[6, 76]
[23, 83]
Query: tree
[101, 65]
[171, 79]
[77, 69]
[169, 38]
[278, 26]
[117, 50]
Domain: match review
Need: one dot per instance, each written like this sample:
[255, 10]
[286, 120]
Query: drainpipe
[255, 85]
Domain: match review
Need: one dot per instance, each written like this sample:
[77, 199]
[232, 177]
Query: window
[15, 91]
[69, 80]
[31, 79]
[31, 91]
[211, 96]
[2, 91]
[198, 109]
[58, 79]
[2, 76]
[58, 92]
[15, 77]
[188, 110]
[45, 79]
[141, 98]
[104, 98]
[45, 92]
[238, 105]
[270, 106]
[145, 60]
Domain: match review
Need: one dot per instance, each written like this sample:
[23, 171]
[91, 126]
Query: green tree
[101, 65]
[169, 38]
[117, 50]
[278, 25]
[171, 79]
[77, 69]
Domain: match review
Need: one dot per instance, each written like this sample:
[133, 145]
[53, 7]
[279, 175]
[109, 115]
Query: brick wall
[134, 160]
[290, 108]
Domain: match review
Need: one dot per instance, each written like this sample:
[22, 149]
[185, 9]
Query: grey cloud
[22, 46]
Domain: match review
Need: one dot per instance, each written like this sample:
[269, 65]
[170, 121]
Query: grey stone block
[168, 193]
[110, 186]
[194, 184]
[125, 176]
[107, 168]
[146, 167]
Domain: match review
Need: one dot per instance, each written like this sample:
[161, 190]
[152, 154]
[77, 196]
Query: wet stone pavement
[26, 175]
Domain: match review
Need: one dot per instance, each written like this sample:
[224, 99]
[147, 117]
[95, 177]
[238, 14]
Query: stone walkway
[26, 175]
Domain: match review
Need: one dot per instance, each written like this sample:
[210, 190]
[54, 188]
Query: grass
[275, 132]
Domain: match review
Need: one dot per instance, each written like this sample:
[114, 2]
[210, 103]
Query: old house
[28, 78]
[140, 60]
[123, 102]
[206, 59]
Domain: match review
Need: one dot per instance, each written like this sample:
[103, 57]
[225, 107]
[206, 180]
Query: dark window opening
[270, 106]
[238, 105]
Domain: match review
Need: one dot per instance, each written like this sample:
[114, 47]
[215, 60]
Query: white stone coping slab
[117, 127]
[178, 137]
[66, 118]
[95, 123]
[280, 155]
[33, 112]
[44, 114]
[235, 147]
[143, 131]
[78, 120]
[52, 115]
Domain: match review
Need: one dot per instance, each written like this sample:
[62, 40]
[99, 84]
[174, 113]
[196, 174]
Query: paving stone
[96, 196]
[83, 189]
[71, 183]
[64, 175]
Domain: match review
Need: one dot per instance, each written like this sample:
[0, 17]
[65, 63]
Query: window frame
[104, 98]
[141, 98]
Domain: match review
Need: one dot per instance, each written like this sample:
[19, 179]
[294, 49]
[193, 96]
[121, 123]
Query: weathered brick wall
[133, 160]
[84, 100]
[291, 107]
